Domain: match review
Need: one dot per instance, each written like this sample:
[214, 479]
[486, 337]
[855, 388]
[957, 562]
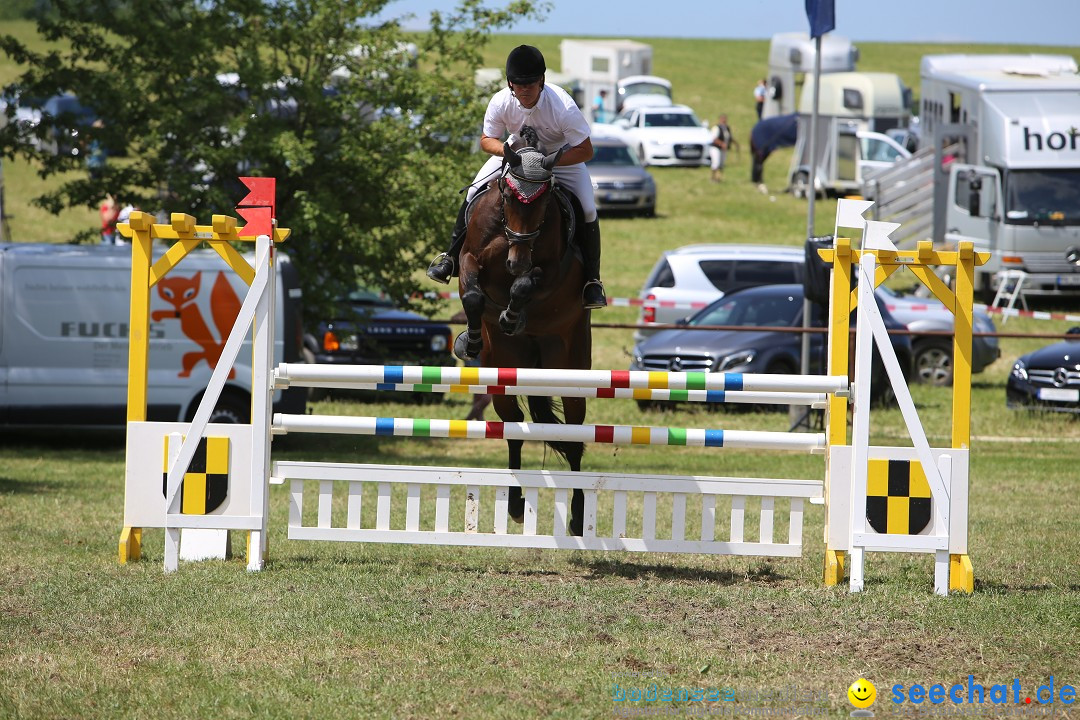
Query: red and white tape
[686, 305]
[613, 302]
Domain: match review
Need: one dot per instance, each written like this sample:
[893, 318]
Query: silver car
[619, 182]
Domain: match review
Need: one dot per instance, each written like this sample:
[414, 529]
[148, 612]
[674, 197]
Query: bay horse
[520, 283]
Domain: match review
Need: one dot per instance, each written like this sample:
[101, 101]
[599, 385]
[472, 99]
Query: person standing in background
[760, 93]
[599, 107]
[723, 139]
[110, 212]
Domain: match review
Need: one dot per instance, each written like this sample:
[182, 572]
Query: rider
[528, 100]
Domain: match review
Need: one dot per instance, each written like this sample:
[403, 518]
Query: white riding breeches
[575, 178]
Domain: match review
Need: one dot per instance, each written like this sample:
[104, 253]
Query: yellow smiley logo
[862, 693]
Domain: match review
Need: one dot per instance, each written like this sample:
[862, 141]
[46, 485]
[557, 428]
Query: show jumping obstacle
[642, 513]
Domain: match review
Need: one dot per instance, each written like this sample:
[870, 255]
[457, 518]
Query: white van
[64, 313]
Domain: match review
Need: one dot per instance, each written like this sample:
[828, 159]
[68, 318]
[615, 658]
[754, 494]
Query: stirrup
[597, 302]
[441, 268]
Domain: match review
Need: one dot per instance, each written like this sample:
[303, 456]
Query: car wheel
[233, 407]
[781, 367]
[641, 155]
[933, 362]
[800, 185]
[649, 211]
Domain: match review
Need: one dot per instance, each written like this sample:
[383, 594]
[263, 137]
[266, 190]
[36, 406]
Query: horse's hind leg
[468, 344]
[574, 413]
[507, 409]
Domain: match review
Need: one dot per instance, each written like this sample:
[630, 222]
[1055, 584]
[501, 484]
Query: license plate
[1059, 394]
[1069, 279]
[619, 197]
[688, 153]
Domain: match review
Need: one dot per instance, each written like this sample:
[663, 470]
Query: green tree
[368, 129]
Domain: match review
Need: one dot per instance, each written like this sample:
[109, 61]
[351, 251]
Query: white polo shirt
[555, 117]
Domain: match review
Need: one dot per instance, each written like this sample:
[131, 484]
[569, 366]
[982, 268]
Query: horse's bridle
[512, 236]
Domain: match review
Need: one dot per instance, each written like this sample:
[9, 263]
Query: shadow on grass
[30, 441]
[993, 587]
[613, 567]
[11, 486]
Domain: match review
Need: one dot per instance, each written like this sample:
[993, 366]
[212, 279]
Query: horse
[520, 281]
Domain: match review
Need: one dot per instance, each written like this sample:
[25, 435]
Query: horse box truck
[791, 62]
[855, 109]
[1014, 185]
[64, 312]
[621, 67]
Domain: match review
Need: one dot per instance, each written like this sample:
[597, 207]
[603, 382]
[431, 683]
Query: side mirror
[975, 199]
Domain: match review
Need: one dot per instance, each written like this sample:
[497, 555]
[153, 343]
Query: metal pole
[804, 362]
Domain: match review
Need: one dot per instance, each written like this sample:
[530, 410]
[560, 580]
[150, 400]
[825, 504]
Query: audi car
[670, 135]
[619, 182]
[1047, 379]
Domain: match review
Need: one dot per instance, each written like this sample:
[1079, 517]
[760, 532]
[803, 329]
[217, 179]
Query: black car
[756, 351]
[71, 120]
[1047, 379]
[368, 329]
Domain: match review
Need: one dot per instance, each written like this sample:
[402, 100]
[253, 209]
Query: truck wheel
[933, 362]
[800, 185]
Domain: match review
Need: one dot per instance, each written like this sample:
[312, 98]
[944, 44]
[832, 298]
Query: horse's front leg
[468, 344]
[512, 320]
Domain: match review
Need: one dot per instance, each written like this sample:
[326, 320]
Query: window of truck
[1042, 196]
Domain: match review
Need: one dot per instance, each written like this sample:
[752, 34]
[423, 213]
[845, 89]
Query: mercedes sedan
[761, 350]
[1047, 379]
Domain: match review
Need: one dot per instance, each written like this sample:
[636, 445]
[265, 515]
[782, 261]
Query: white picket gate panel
[402, 519]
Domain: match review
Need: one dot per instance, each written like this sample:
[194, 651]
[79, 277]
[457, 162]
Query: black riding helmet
[525, 65]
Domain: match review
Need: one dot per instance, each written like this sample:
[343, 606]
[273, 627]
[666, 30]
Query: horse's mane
[528, 134]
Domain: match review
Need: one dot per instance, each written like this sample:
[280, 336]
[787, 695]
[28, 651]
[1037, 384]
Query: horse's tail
[544, 409]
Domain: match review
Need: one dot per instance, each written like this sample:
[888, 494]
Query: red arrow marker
[259, 222]
[262, 192]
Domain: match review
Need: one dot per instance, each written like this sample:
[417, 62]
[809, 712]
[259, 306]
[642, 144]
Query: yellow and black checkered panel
[206, 483]
[897, 497]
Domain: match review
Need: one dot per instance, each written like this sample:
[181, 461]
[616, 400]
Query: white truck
[854, 112]
[64, 312]
[1002, 157]
[791, 61]
[622, 68]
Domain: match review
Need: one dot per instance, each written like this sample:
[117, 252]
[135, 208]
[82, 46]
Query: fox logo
[181, 293]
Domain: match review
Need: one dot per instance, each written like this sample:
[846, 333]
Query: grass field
[358, 631]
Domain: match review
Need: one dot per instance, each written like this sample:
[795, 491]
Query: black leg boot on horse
[592, 295]
[444, 266]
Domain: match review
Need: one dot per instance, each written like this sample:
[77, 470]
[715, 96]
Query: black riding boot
[444, 266]
[592, 296]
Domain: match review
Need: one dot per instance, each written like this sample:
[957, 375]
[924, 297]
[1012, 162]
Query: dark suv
[368, 329]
